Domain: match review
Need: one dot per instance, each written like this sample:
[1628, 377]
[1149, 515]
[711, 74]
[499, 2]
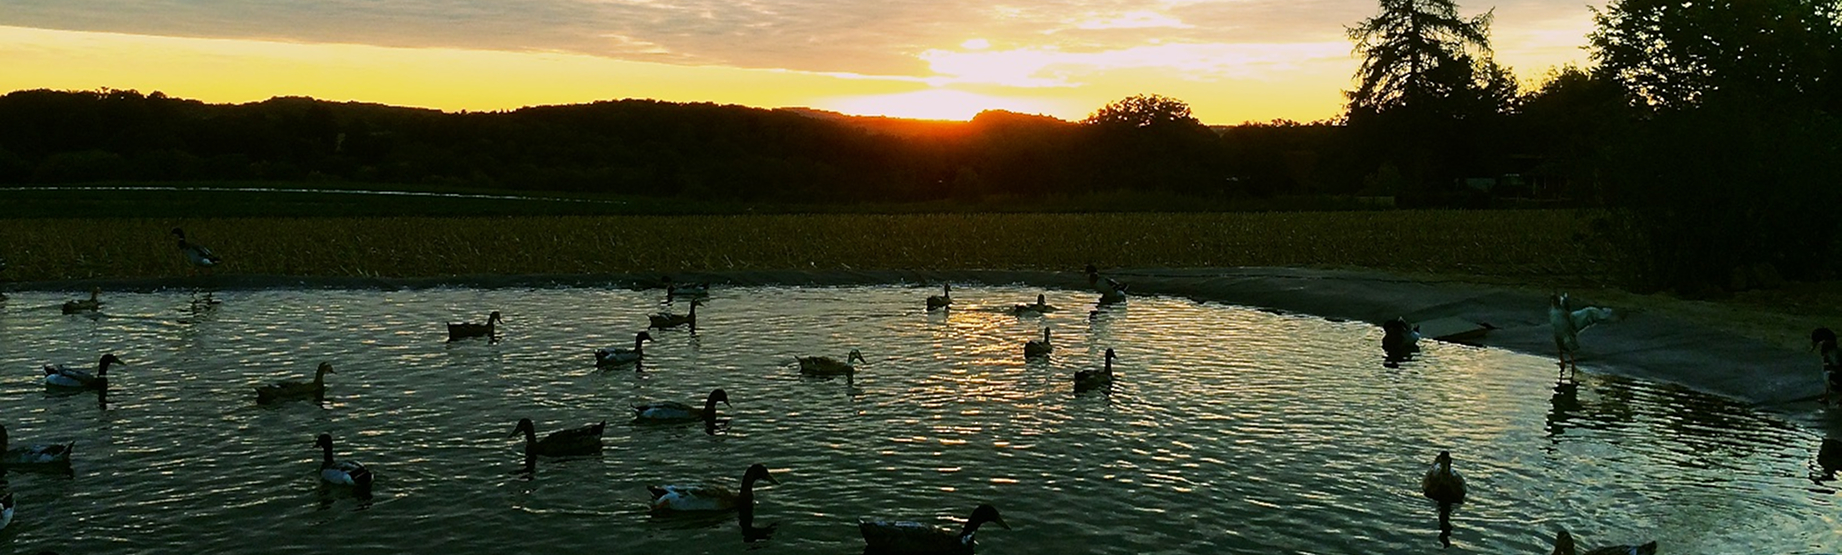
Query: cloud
[844, 36]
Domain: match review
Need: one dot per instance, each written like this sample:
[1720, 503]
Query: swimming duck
[80, 306]
[58, 375]
[195, 253]
[1042, 305]
[1399, 338]
[665, 320]
[1568, 323]
[572, 442]
[1110, 291]
[673, 411]
[1563, 545]
[942, 300]
[1094, 379]
[914, 537]
[685, 289]
[709, 497]
[618, 356]
[827, 366]
[33, 455]
[465, 330]
[6, 510]
[292, 390]
[340, 473]
[1033, 348]
[1442, 483]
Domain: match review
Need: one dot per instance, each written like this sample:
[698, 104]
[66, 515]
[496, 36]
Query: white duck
[708, 497]
[340, 473]
[883, 536]
[1568, 323]
[673, 411]
[1110, 290]
[618, 356]
[58, 375]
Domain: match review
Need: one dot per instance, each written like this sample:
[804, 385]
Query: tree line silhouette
[1708, 131]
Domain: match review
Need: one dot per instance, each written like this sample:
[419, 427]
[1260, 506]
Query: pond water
[1229, 430]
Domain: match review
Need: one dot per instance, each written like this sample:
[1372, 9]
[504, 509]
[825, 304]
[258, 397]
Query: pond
[1228, 430]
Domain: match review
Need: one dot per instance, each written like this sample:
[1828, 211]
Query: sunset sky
[1231, 60]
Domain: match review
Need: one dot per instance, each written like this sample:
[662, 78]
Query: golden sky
[1231, 60]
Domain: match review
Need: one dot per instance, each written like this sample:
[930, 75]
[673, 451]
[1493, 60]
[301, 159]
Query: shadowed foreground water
[1230, 429]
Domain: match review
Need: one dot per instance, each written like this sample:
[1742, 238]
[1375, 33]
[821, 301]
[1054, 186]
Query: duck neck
[319, 378]
[530, 436]
[326, 460]
[102, 369]
[710, 414]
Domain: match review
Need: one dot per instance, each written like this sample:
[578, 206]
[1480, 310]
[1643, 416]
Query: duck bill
[1000, 521]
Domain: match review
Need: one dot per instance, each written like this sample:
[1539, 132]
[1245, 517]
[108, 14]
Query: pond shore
[1728, 349]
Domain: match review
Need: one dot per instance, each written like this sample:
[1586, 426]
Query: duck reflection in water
[1566, 403]
[1828, 459]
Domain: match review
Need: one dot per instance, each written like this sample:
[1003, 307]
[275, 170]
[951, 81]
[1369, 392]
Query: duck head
[325, 368]
[1444, 460]
[1563, 543]
[983, 514]
[325, 441]
[855, 356]
[755, 472]
[180, 233]
[108, 359]
[1111, 356]
[494, 318]
[525, 426]
[1041, 300]
[643, 336]
[1820, 336]
[716, 396]
[1558, 300]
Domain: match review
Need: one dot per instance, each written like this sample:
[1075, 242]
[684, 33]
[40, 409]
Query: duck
[58, 375]
[1442, 483]
[884, 536]
[1563, 545]
[1042, 305]
[572, 442]
[196, 254]
[293, 390]
[673, 411]
[1399, 338]
[943, 300]
[1823, 341]
[1033, 348]
[466, 330]
[1110, 291]
[33, 455]
[827, 366]
[665, 320]
[710, 497]
[1086, 380]
[340, 473]
[80, 306]
[6, 510]
[1568, 323]
[618, 356]
[673, 289]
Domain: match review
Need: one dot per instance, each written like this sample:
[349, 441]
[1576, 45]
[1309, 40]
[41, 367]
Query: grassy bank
[1516, 244]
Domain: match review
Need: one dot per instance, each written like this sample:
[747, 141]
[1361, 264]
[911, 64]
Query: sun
[933, 103]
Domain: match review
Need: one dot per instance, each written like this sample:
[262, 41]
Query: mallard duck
[1563, 545]
[1110, 291]
[58, 375]
[1033, 348]
[618, 356]
[80, 306]
[1094, 379]
[884, 536]
[944, 299]
[827, 366]
[1399, 338]
[572, 442]
[709, 497]
[195, 253]
[1442, 483]
[1568, 323]
[665, 320]
[1042, 305]
[33, 455]
[6, 510]
[466, 330]
[340, 473]
[673, 289]
[292, 390]
[673, 411]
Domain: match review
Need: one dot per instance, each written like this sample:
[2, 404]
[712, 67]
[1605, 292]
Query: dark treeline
[1708, 132]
